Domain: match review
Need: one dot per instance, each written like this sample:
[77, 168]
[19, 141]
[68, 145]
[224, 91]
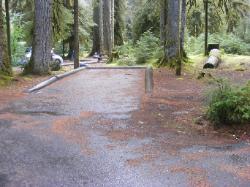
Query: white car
[55, 58]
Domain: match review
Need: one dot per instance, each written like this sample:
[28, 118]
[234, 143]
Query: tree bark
[172, 35]
[108, 27]
[70, 40]
[163, 21]
[76, 34]
[173, 29]
[5, 66]
[101, 37]
[112, 23]
[42, 41]
[183, 25]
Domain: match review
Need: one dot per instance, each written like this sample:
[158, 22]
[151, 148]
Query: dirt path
[99, 128]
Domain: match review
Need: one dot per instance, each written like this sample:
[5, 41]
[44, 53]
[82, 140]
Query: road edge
[54, 79]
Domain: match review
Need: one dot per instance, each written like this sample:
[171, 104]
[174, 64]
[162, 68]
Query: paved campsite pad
[98, 128]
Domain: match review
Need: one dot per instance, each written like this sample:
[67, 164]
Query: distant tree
[108, 26]
[183, 25]
[5, 66]
[108, 19]
[96, 28]
[7, 10]
[100, 23]
[163, 20]
[76, 34]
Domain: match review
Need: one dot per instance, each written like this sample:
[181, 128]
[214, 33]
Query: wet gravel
[91, 129]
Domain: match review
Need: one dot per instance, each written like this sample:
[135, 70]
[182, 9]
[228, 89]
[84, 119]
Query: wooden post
[149, 80]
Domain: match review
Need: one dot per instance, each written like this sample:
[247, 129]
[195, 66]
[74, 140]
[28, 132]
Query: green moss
[5, 79]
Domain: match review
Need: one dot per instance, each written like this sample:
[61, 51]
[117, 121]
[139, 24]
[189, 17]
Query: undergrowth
[146, 50]
[229, 104]
[229, 43]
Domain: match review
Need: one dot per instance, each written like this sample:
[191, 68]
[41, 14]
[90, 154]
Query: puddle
[38, 113]
[3, 180]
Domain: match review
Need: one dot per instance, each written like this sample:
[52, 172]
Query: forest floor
[18, 84]
[99, 128]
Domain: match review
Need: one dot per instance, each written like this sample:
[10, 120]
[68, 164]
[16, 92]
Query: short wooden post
[149, 80]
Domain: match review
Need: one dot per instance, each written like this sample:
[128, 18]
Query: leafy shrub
[126, 50]
[146, 47]
[126, 55]
[230, 105]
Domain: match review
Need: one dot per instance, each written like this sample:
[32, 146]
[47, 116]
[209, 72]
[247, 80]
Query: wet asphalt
[67, 134]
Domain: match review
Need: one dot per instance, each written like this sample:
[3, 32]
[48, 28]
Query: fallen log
[213, 60]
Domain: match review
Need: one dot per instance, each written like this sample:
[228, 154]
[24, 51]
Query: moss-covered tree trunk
[5, 66]
[119, 22]
[173, 34]
[42, 40]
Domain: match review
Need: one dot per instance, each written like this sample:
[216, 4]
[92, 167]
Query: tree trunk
[101, 37]
[173, 29]
[8, 28]
[172, 35]
[96, 19]
[5, 66]
[108, 26]
[70, 40]
[119, 22]
[163, 21]
[183, 25]
[42, 41]
[112, 23]
[76, 34]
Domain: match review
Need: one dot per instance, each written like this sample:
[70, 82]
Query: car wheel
[57, 61]
[55, 65]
